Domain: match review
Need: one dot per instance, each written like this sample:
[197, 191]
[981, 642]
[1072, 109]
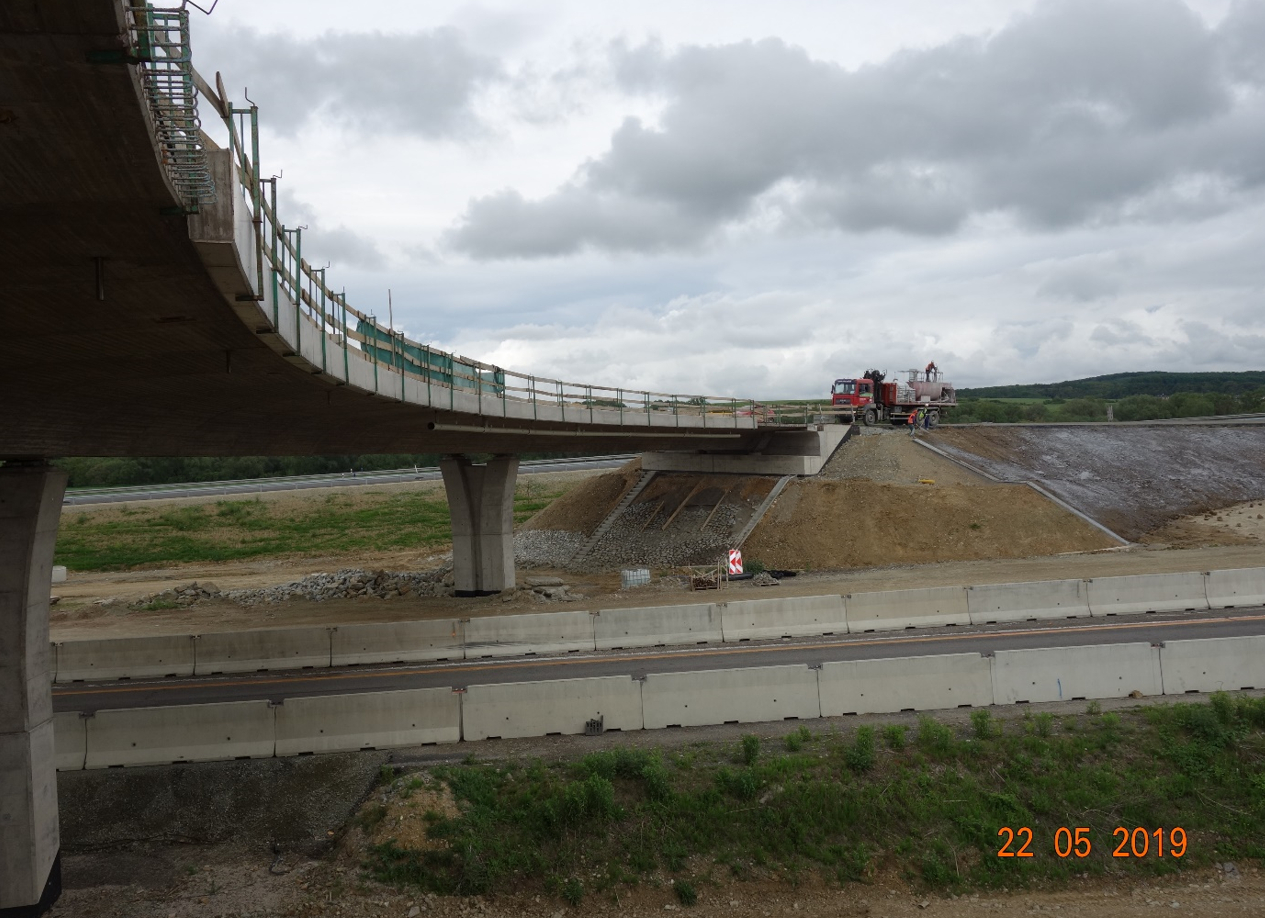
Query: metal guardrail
[160, 42]
[405, 473]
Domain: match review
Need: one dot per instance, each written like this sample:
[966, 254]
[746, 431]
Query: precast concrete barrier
[70, 741]
[1072, 673]
[721, 696]
[1021, 602]
[541, 708]
[253, 651]
[799, 616]
[892, 610]
[929, 683]
[541, 632]
[182, 733]
[1213, 664]
[396, 642]
[125, 658]
[373, 720]
[1138, 593]
[657, 626]
[1242, 587]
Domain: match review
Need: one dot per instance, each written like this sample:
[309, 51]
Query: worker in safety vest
[914, 421]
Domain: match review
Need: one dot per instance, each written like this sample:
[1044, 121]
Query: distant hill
[1122, 385]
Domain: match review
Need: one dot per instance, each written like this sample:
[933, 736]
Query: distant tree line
[1123, 385]
[121, 472]
[1129, 408]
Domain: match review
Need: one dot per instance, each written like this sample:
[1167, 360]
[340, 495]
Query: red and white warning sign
[735, 561]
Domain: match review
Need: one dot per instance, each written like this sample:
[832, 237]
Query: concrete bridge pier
[30, 843]
[481, 501]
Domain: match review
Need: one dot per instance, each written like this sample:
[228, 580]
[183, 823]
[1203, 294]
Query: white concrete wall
[1068, 673]
[372, 720]
[905, 684]
[182, 733]
[658, 626]
[1213, 664]
[798, 616]
[397, 642]
[718, 696]
[1236, 588]
[1147, 593]
[893, 610]
[118, 658]
[1018, 602]
[544, 632]
[541, 708]
[252, 651]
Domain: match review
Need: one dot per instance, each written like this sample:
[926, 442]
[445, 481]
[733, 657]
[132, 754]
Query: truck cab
[856, 393]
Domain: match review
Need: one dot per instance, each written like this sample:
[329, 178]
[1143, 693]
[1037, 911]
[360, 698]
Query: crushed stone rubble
[345, 584]
[351, 583]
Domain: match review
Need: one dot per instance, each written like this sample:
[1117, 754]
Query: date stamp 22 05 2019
[1075, 842]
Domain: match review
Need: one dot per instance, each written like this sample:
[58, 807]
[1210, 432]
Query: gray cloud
[1083, 112]
[337, 245]
[422, 83]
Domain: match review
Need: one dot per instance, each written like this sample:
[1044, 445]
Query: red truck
[872, 400]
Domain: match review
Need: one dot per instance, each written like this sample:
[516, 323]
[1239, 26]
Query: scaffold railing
[160, 43]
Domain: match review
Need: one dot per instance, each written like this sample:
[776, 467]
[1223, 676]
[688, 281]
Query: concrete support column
[481, 501]
[30, 859]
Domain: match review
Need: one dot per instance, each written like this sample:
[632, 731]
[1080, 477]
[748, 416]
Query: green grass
[229, 530]
[930, 805]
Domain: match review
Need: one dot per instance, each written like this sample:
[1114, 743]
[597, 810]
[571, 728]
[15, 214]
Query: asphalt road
[355, 679]
[344, 480]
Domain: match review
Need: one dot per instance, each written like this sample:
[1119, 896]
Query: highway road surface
[342, 480]
[278, 686]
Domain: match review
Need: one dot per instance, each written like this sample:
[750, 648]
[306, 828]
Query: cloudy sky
[753, 198]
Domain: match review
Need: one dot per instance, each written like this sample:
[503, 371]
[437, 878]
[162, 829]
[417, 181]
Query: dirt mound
[1133, 480]
[583, 508]
[887, 455]
[860, 523]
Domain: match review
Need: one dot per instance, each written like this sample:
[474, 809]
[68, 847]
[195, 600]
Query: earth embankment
[1132, 479]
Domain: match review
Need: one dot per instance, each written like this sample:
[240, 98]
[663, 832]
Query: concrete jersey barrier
[182, 733]
[1071, 673]
[721, 696]
[1020, 602]
[125, 658]
[1234, 588]
[372, 720]
[905, 684]
[540, 708]
[253, 651]
[70, 741]
[798, 616]
[541, 632]
[397, 642]
[1139, 593]
[657, 626]
[893, 610]
[1213, 664]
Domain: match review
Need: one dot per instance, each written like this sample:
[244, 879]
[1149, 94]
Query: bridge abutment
[481, 501]
[30, 842]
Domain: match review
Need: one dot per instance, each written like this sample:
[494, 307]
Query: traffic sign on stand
[735, 561]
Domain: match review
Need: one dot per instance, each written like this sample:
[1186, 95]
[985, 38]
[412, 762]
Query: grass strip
[119, 538]
[928, 802]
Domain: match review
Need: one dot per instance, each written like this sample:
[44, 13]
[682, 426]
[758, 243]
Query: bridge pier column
[481, 501]
[30, 843]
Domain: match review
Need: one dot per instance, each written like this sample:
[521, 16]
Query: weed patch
[840, 807]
